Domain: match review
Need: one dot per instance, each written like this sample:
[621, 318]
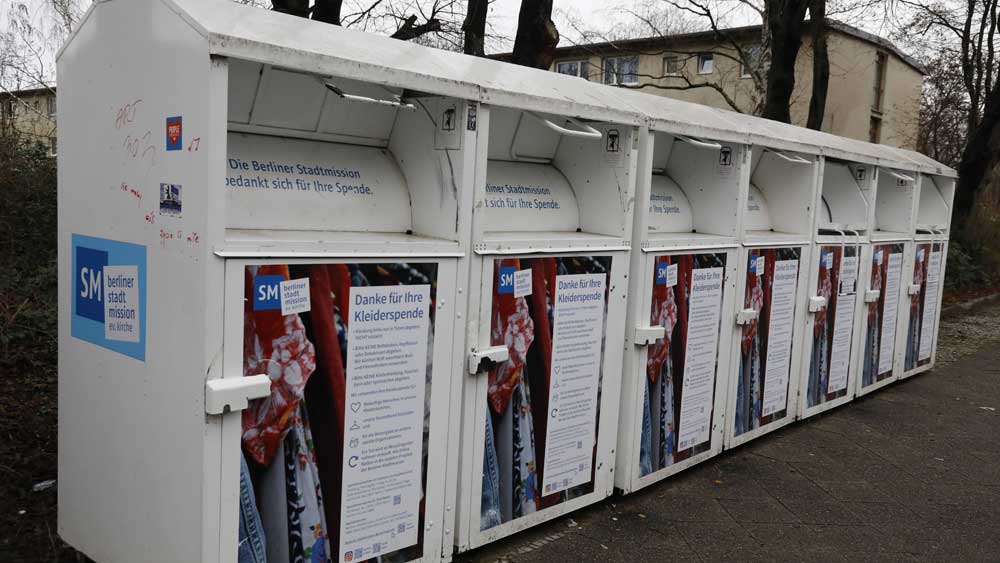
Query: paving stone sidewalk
[909, 473]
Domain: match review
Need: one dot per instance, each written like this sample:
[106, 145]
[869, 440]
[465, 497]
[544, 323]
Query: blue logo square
[661, 273]
[90, 283]
[505, 285]
[267, 292]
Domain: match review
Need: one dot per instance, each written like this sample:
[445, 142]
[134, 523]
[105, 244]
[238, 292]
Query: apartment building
[873, 95]
[30, 114]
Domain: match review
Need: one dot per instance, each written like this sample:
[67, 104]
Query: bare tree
[537, 36]
[474, 28]
[821, 65]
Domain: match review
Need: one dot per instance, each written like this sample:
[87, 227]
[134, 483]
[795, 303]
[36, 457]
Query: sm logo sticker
[175, 133]
[267, 292]
[505, 284]
[109, 294]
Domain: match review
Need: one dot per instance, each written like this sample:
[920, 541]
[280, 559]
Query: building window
[52, 146]
[706, 63]
[671, 65]
[573, 68]
[52, 105]
[751, 55]
[7, 109]
[621, 70]
[875, 129]
[878, 86]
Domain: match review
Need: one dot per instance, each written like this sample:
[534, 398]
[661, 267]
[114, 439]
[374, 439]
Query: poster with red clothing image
[337, 454]
[543, 402]
[681, 367]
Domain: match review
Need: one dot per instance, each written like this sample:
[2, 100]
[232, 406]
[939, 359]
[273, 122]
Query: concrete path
[909, 473]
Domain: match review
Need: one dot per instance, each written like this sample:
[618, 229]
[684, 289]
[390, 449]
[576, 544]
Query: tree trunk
[537, 37]
[981, 153]
[475, 28]
[785, 22]
[327, 11]
[298, 8]
[821, 65]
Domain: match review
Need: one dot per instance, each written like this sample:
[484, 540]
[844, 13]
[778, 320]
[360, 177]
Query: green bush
[28, 248]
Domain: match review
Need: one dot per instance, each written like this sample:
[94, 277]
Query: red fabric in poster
[325, 396]
[543, 279]
[275, 345]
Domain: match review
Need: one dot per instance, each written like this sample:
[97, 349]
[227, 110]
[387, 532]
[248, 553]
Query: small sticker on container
[267, 292]
[505, 283]
[760, 266]
[613, 147]
[672, 275]
[878, 258]
[522, 283]
[828, 260]
[170, 200]
[920, 255]
[175, 133]
[295, 296]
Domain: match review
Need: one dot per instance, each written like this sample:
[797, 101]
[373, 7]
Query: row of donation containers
[306, 314]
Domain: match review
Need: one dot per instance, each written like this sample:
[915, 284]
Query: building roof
[642, 44]
[27, 92]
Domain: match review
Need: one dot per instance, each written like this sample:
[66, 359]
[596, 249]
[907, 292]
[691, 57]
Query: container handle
[899, 176]
[397, 103]
[585, 131]
[698, 142]
[795, 159]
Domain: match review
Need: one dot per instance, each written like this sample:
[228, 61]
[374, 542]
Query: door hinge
[645, 335]
[487, 358]
[231, 394]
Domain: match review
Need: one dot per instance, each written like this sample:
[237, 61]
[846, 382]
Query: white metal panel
[711, 183]
[602, 174]
[845, 205]
[894, 203]
[669, 209]
[528, 197]
[345, 117]
[288, 99]
[758, 215]
[279, 183]
[137, 473]
[934, 207]
[244, 78]
[788, 186]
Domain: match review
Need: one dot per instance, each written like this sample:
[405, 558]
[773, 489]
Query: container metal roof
[265, 36]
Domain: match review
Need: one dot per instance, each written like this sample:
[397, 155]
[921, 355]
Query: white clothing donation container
[833, 327]
[884, 286]
[551, 229]
[260, 243]
[777, 229]
[926, 288]
[681, 294]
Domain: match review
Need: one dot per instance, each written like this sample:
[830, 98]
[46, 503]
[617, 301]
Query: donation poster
[386, 364]
[930, 305]
[843, 328]
[543, 402]
[700, 356]
[890, 311]
[833, 326]
[766, 342]
[681, 367]
[779, 349]
[577, 335]
[337, 453]
[877, 310]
